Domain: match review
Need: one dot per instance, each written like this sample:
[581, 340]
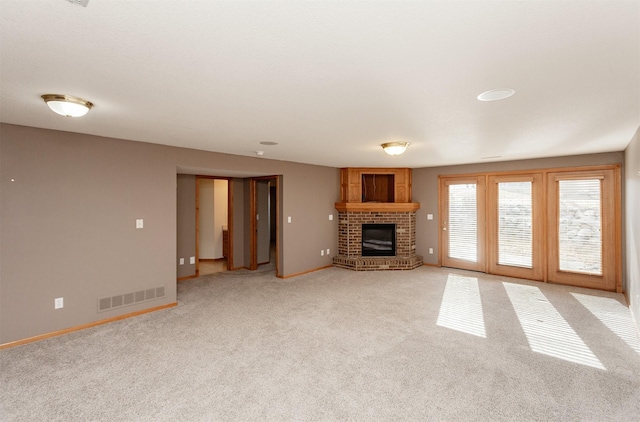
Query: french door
[515, 235]
[583, 228]
[557, 226]
[462, 222]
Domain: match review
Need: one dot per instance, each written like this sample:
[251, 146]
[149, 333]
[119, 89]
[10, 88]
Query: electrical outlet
[330, 217]
[181, 261]
[430, 251]
[289, 219]
[58, 303]
[321, 252]
[139, 223]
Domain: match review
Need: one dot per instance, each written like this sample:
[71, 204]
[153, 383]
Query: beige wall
[425, 189]
[206, 223]
[632, 217]
[220, 213]
[67, 222]
[186, 224]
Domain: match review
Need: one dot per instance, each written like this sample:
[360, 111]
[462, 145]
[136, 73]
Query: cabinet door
[402, 185]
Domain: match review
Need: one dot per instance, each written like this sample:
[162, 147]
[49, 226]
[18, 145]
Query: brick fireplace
[350, 237]
[376, 196]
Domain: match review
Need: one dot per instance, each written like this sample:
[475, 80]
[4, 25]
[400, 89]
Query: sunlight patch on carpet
[546, 330]
[614, 315]
[461, 308]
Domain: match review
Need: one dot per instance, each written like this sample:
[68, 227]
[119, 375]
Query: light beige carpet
[427, 344]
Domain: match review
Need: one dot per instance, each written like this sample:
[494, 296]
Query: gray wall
[186, 224]
[67, 222]
[632, 216]
[425, 189]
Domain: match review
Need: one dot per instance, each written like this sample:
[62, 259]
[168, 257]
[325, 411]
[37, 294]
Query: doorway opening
[212, 225]
[264, 227]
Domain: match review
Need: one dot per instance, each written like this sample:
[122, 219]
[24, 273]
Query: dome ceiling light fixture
[67, 105]
[394, 148]
[496, 94]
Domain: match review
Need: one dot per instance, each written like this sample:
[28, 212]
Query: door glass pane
[579, 228]
[463, 222]
[515, 235]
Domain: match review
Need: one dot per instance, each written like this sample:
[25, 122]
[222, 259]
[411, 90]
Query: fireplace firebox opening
[378, 240]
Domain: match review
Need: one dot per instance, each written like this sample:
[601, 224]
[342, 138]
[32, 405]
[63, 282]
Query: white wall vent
[119, 301]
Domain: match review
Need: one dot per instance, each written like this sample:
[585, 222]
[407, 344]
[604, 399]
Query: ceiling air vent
[82, 3]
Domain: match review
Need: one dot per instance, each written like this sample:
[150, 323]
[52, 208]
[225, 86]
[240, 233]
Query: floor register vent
[112, 302]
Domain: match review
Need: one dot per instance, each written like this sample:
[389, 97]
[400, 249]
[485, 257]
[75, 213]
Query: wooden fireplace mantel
[377, 206]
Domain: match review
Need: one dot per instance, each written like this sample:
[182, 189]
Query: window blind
[463, 222]
[580, 226]
[515, 224]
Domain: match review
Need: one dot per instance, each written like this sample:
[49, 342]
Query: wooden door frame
[611, 230]
[615, 226]
[538, 270]
[443, 200]
[253, 227]
[229, 219]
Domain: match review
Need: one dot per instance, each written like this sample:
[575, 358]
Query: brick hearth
[350, 241]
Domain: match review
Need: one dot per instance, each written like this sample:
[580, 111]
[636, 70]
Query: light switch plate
[288, 219]
[192, 260]
[139, 223]
[429, 216]
[181, 261]
[58, 303]
[330, 217]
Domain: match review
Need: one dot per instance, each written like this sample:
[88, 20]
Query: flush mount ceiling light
[395, 148]
[496, 94]
[67, 105]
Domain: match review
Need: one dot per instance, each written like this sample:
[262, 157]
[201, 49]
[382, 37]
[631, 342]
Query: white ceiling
[331, 81]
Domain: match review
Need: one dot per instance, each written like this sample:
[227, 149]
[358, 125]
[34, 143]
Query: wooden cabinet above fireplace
[367, 189]
[375, 185]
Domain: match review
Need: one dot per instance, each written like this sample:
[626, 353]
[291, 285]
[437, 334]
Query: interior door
[462, 222]
[515, 222]
[583, 228]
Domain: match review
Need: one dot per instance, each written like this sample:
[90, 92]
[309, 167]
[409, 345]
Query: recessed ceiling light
[491, 157]
[496, 94]
[268, 143]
